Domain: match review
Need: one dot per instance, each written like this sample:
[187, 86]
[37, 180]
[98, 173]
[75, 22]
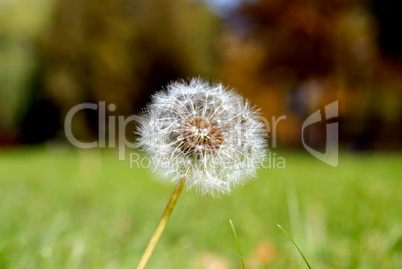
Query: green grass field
[61, 208]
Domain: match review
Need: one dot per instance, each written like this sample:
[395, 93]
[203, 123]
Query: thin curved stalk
[161, 225]
[294, 243]
[238, 244]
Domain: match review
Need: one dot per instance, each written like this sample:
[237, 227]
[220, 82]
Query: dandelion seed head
[204, 132]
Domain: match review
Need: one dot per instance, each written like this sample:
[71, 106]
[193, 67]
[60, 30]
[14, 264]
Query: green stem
[238, 244]
[294, 243]
[161, 225]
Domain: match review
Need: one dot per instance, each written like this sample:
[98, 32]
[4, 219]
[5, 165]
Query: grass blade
[238, 244]
[301, 253]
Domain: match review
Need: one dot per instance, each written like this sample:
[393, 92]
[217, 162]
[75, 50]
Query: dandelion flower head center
[199, 135]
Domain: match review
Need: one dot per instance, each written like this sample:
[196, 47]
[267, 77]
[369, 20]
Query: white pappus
[203, 132]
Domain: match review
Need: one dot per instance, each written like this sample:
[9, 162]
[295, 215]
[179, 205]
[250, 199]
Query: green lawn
[61, 208]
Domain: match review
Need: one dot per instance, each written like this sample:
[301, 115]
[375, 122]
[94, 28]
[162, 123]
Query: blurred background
[289, 57]
[63, 207]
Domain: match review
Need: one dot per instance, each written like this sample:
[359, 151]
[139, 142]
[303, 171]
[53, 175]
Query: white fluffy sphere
[205, 133]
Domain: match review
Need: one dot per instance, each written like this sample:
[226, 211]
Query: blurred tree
[296, 56]
[121, 51]
[20, 23]
[300, 36]
[388, 14]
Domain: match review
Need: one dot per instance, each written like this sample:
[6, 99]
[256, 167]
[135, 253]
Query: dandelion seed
[205, 133]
